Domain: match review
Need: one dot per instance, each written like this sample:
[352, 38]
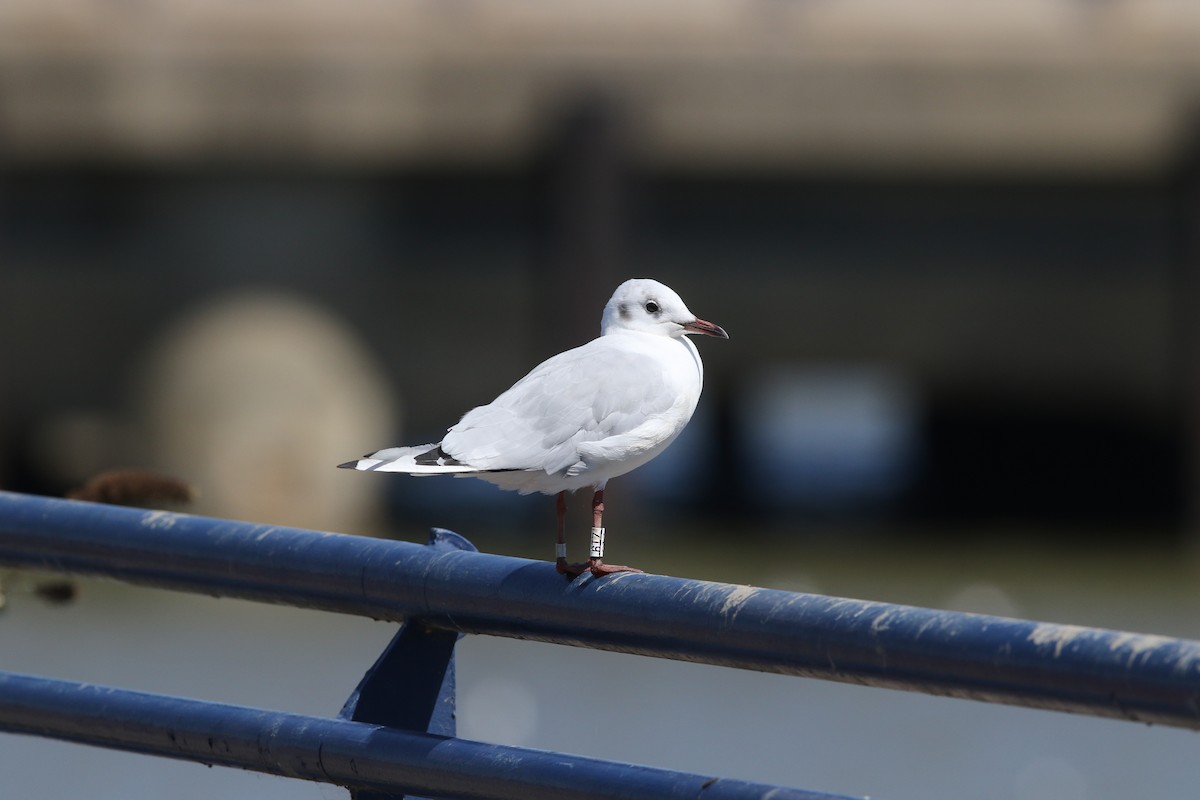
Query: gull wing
[605, 391]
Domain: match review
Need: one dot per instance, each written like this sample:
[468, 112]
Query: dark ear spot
[623, 310]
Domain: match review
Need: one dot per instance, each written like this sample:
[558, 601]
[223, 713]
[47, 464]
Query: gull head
[647, 306]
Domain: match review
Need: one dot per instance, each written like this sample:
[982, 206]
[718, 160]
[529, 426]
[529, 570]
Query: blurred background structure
[988, 212]
[956, 248]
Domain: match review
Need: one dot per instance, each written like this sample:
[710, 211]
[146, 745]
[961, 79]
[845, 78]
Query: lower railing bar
[1044, 665]
[350, 754]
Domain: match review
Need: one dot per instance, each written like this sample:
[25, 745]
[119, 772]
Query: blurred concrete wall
[865, 85]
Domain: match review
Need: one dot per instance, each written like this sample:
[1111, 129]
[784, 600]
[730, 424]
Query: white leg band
[560, 550]
[597, 548]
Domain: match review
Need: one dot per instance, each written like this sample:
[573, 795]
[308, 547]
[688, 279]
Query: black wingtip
[349, 465]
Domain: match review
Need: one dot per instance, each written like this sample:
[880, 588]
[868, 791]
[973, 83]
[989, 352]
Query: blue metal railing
[366, 757]
[445, 589]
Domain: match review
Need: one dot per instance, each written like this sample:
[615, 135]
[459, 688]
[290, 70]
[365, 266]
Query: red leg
[560, 508]
[596, 563]
[560, 562]
[598, 509]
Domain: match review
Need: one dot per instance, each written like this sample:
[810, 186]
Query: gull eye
[651, 307]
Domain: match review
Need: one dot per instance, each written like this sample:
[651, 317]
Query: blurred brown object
[118, 487]
[134, 487]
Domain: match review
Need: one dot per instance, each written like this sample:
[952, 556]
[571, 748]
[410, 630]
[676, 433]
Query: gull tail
[424, 459]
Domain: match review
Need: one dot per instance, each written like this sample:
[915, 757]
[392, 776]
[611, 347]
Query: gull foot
[600, 569]
[570, 570]
[593, 565]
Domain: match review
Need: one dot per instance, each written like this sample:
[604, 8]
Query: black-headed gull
[581, 417]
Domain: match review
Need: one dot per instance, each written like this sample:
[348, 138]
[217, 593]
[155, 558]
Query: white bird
[581, 417]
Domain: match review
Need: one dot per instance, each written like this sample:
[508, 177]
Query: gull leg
[596, 561]
[560, 562]
[560, 543]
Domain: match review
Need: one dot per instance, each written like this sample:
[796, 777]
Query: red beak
[705, 328]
